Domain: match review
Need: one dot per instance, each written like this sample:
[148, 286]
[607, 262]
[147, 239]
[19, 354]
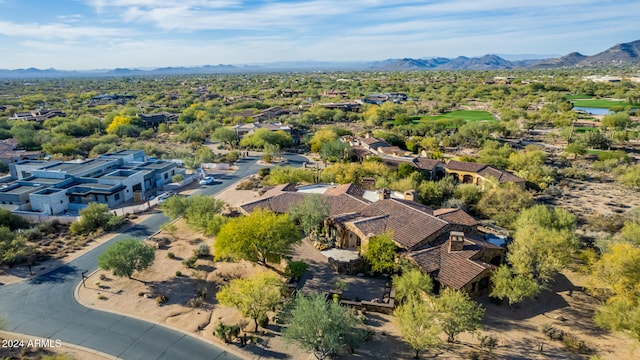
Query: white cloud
[57, 31]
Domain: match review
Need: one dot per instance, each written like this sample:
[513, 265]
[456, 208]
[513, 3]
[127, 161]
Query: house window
[116, 197]
[166, 176]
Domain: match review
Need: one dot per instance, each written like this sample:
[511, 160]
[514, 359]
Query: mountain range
[619, 54]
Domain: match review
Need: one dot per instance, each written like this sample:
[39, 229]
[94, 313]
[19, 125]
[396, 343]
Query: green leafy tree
[127, 256]
[321, 326]
[413, 284]
[615, 278]
[310, 213]
[576, 149]
[12, 247]
[201, 209]
[93, 217]
[543, 244]
[225, 135]
[321, 137]
[457, 313]
[514, 287]
[174, 207]
[380, 252]
[254, 297]
[11, 220]
[503, 202]
[418, 325]
[259, 237]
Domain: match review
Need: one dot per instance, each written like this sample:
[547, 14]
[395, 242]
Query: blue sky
[93, 34]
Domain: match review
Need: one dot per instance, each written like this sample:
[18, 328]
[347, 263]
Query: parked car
[207, 180]
[164, 197]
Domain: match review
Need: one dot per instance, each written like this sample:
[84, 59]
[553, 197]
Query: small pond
[593, 111]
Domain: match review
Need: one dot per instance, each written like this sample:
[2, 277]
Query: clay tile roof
[278, 189]
[373, 225]
[390, 149]
[371, 140]
[464, 166]
[410, 223]
[428, 259]
[278, 203]
[501, 176]
[426, 164]
[345, 203]
[455, 216]
[453, 269]
[350, 189]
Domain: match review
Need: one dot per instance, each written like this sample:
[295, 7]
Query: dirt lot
[517, 328]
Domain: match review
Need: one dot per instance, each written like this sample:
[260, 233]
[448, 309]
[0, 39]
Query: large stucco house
[445, 243]
[56, 187]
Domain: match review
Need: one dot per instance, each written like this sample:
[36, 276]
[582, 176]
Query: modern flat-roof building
[54, 187]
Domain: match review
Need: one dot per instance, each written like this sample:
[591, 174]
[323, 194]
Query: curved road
[45, 306]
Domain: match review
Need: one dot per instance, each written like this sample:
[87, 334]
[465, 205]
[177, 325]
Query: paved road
[45, 306]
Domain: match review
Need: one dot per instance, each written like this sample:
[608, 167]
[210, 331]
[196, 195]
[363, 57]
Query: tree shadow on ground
[261, 350]
[375, 320]
[58, 275]
[180, 289]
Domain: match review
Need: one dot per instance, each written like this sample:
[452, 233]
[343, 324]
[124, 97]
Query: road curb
[221, 346]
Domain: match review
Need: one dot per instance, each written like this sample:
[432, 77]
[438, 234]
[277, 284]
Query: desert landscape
[518, 328]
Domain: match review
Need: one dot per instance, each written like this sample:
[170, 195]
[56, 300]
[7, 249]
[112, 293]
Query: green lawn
[577, 97]
[467, 115]
[597, 103]
[581, 129]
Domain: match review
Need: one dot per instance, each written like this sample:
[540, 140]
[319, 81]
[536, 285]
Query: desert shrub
[178, 273]
[575, 344]
[247, 184]
[226, 332]
[177, 178]
[607, 165]
[488, 342]
[295, 269]
[264, 172]
[190, 262]
[101, 297]
[195, 302]
[631, 177]
[605, 222]
[114, 222]
[553, 333]
[161, 299]
[171, 255]
[202, 251]
[574, 173]
[267, 158]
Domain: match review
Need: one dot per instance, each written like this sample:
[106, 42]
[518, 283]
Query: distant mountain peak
[623, 53]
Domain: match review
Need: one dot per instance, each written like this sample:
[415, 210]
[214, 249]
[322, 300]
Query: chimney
[369, 183]
[456, 241]
[411, 195]
[384, 194]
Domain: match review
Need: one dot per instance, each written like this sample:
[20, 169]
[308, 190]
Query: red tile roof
[423, 163]
[464, 166]
[410, 222]
[455, 216]
[500, 175]
[454, 269]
